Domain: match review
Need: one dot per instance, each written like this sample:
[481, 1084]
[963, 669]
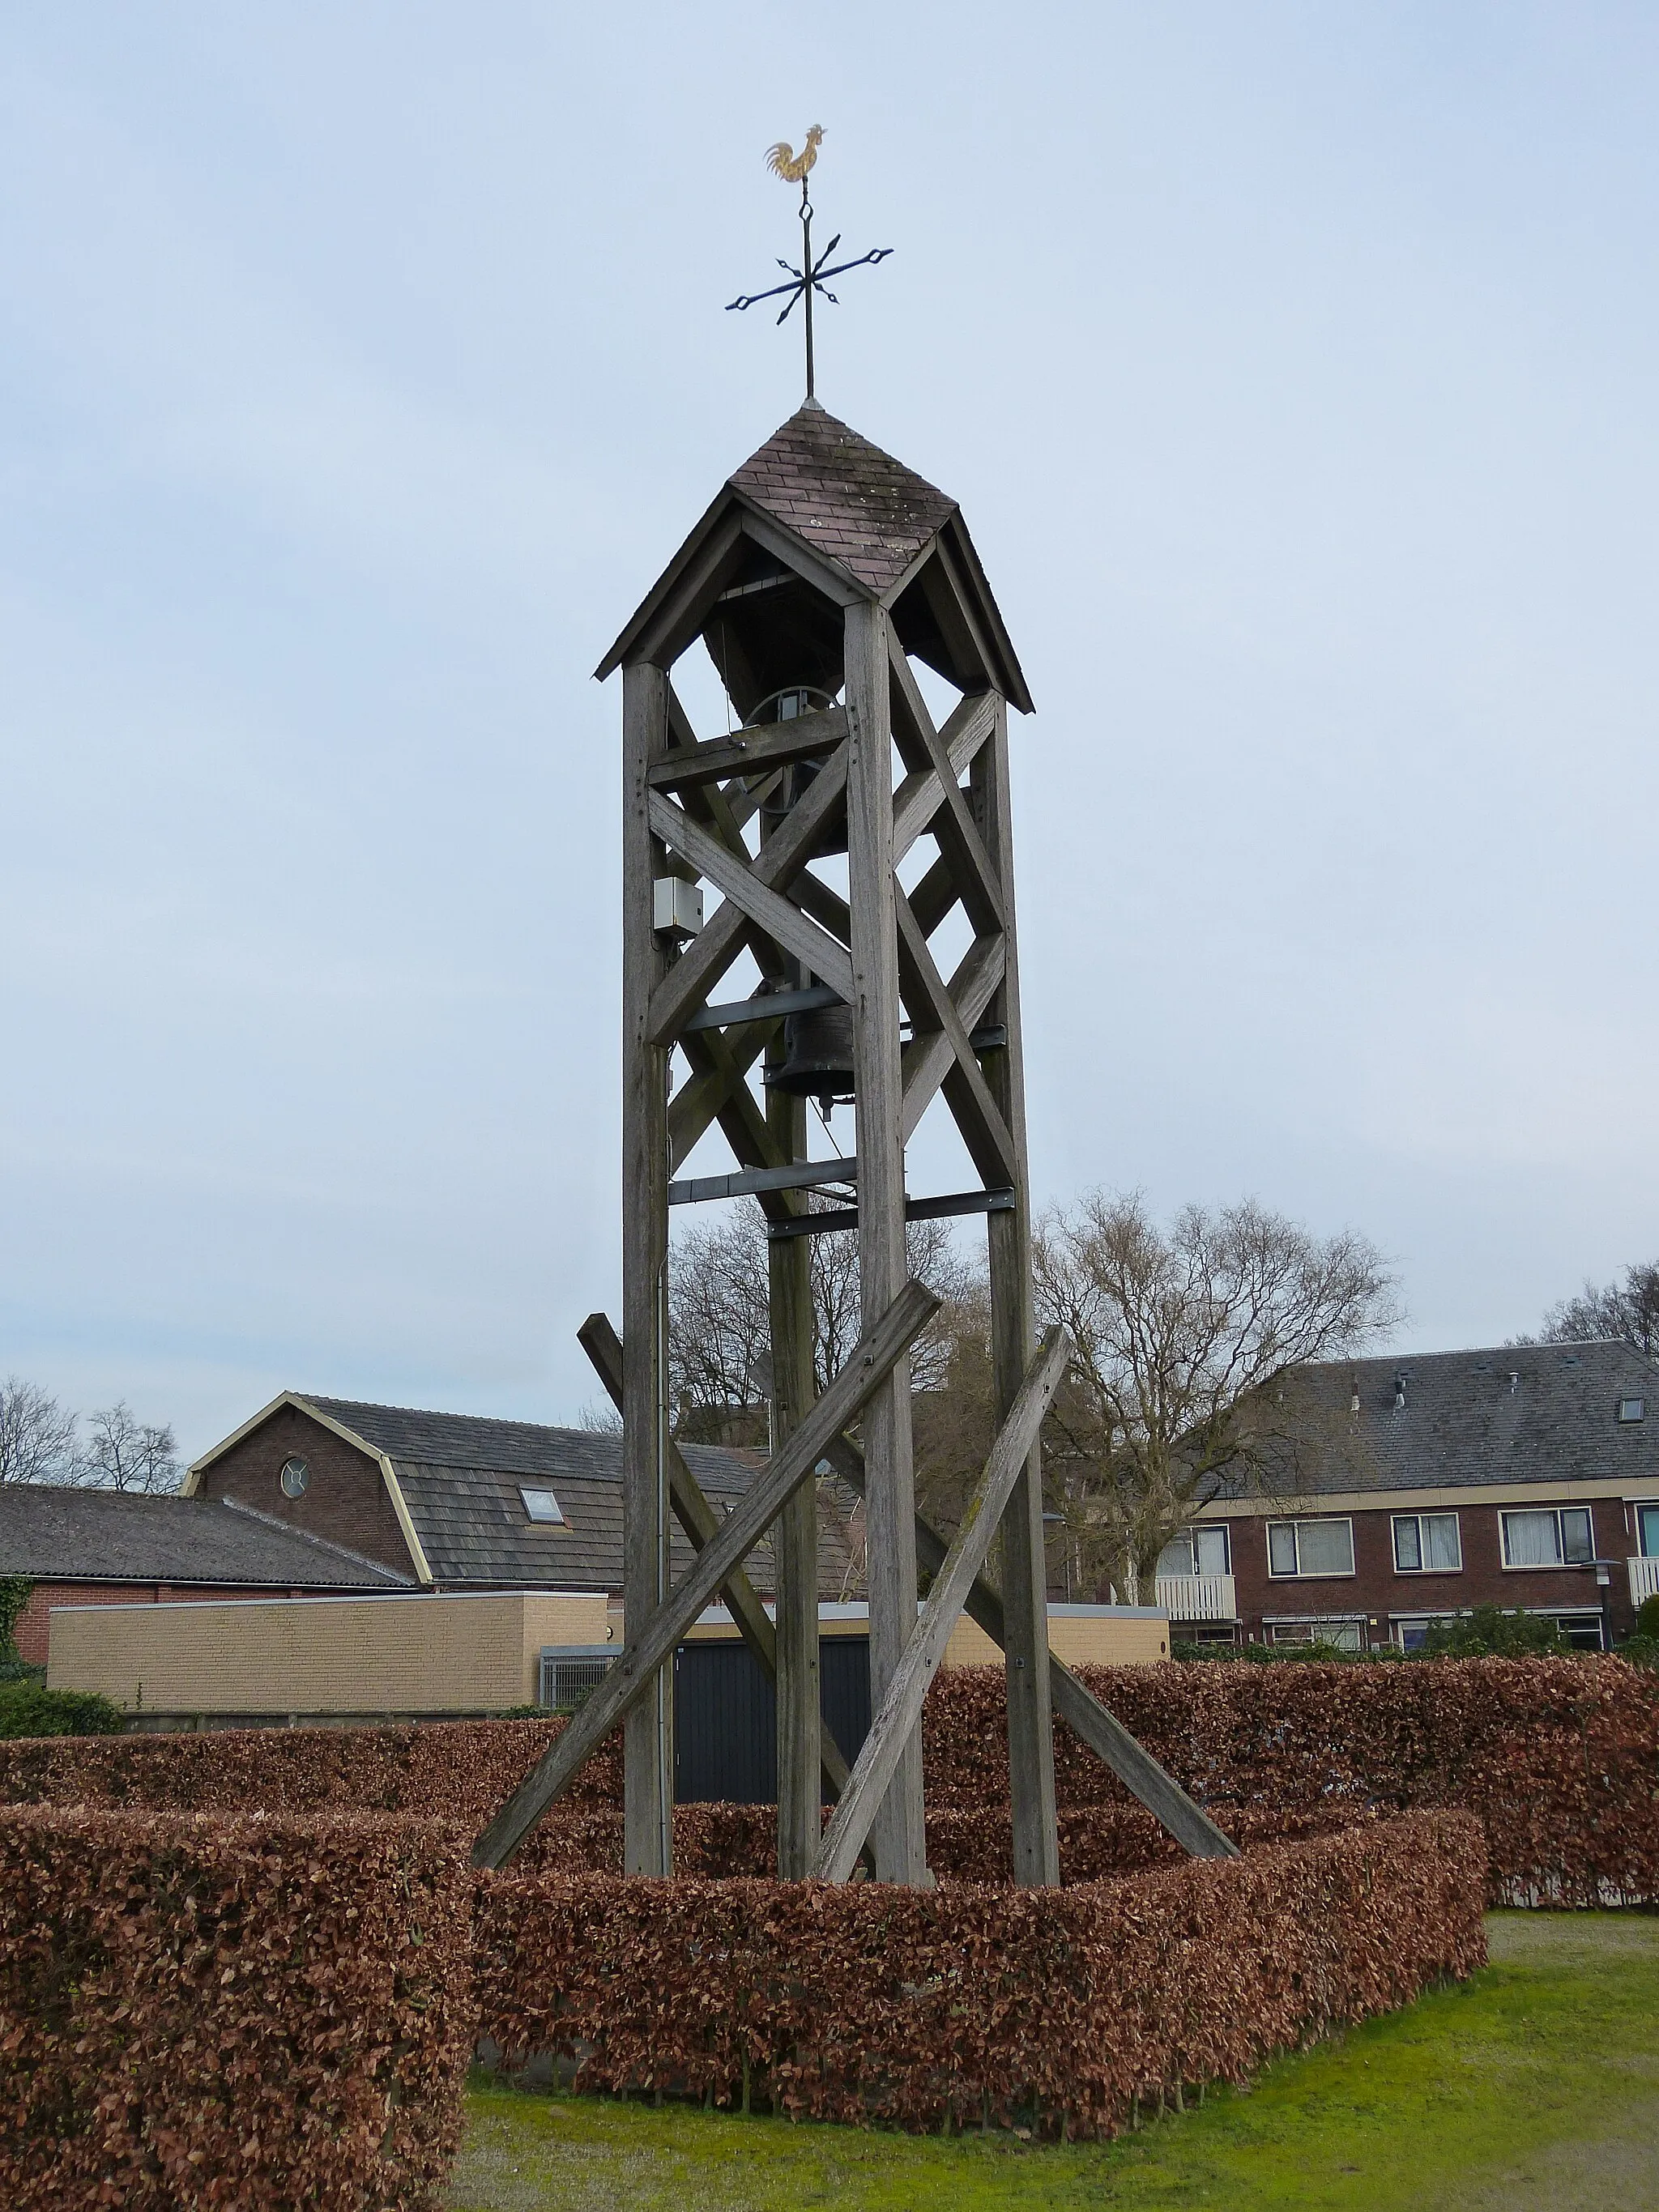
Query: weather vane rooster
[792, 168]
[784, 161]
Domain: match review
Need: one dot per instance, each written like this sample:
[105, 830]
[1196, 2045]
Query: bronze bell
[818, 1055]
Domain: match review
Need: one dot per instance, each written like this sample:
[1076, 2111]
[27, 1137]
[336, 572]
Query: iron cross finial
[784, 162]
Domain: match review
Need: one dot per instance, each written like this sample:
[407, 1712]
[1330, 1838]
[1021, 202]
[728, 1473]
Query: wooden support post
[1008, 1234]
[702, 1525]
[647, 1750]
[897, 1831]
[1071, 1699]
[652, 1644]
[795, 1539]
[898, 1718]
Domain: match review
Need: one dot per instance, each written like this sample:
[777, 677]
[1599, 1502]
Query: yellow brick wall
[398, 1655]
[1100, 1640]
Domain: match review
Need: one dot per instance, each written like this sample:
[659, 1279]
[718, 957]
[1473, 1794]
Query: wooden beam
[1075, 1703]
[795, 1538]
[898, 1832]
[1008, 1257]
[928, 1059]
[920, 795]
[701, 1524]
[686, 606]
[736, 1011]
[796, 1174]
[648, 1746]
[952, 825]
[783, 544]
[781, 919]
[945, 1207]
[782, 858]
[651, 1642]
[715, 1080]
[977, 1114]
[894, 1723]
[769, 745]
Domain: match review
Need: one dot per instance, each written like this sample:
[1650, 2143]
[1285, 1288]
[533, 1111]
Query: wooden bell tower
[822, 573]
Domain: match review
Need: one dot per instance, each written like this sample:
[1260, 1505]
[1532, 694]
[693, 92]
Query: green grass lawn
[1537, 2084]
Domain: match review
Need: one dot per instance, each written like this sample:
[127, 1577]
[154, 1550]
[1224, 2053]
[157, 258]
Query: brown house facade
[1523, 1476]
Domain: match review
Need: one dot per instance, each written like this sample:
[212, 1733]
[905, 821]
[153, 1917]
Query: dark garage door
[726, 1717]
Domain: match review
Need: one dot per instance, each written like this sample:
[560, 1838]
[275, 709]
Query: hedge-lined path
[1535, 2085]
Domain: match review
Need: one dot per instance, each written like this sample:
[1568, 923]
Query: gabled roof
[1545, 1413]
[460, 1476]
[864, 520]
[124, 1536]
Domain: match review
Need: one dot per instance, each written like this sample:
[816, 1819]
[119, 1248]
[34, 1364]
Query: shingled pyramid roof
[845, 498]
[865, 521]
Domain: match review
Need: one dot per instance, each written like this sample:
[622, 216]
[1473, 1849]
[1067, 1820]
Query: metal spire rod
[811, 276]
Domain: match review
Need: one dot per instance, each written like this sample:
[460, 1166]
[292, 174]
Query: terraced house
[1525, 1476]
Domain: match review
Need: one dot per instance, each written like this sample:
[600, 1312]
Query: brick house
[115, 1547]
[1524, 1476]
[456, 1502]
[327, 1497]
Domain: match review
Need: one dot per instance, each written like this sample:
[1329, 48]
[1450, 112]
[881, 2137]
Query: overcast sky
[360, 365]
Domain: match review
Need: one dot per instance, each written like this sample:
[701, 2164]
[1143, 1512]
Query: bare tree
[37, 1435]
[123, 1454]
[1185, 1339]
[719, 1333]
[1628, 1311]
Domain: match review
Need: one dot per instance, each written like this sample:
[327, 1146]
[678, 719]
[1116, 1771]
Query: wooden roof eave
[973, 586]
[675, 607]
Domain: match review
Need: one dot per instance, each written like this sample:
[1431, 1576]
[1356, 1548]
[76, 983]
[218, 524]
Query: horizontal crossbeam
[833, 1217]
[767, 1008]
[771, 746]
[901, 1708]
[799, 1175]
[651, 1642]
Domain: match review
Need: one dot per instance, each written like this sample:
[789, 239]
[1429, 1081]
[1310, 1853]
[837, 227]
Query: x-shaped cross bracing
[774, 906]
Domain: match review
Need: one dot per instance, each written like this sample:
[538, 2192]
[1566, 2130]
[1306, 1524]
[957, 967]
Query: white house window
[1310, 1547]
[541, 1506]
[1647, 1530]
[1558, 1536]
[1200, 1551]
[1426, 1544]
[1633, 1409]
[294, 1476]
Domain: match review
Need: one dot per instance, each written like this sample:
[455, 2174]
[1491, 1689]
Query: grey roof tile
[461, 1474]
[1509, 1413]
[106, 1536]
[837, 491]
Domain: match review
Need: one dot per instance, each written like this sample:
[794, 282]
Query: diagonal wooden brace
[701, 1524]
[901, 1708]
[780, 918]
[780, 860]
[651, 1642]
[1073, 1700]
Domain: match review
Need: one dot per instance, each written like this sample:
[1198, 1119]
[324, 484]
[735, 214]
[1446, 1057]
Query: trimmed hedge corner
[1068, 2011]
[208, 2011]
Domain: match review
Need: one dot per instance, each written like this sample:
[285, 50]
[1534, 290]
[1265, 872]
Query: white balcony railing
[1643, 1580]
[1200, 1597]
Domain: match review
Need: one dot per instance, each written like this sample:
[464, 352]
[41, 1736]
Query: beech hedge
[1066, 2011]
[1559, 1758]
[205, 2010]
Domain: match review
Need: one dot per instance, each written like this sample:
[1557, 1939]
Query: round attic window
[296, 1475]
